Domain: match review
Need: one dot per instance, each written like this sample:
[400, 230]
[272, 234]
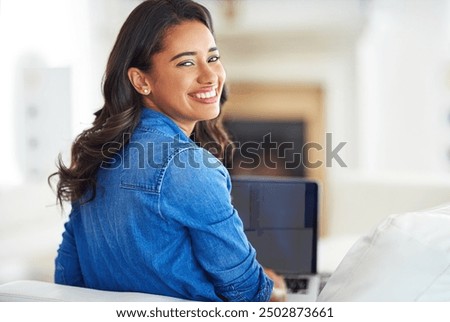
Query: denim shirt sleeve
[195, 192]
[67, 264]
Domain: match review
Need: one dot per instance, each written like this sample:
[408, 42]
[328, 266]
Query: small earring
[145, 91]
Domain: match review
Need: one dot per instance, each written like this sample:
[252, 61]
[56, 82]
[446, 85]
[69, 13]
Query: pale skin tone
[186, 78]
[185, 83]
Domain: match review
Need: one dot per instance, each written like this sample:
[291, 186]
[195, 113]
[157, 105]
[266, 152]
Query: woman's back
[161, 222]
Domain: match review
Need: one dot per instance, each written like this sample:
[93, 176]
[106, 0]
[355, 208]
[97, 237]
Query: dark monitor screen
[280, 220]
[269, 148]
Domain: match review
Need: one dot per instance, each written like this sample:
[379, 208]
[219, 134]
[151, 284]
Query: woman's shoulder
[148, 157]
[194, 159]
[196, 168]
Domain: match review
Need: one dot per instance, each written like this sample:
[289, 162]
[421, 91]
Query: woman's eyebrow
[191, 53]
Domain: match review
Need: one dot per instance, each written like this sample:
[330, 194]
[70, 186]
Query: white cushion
[406, 258]
[35, 291]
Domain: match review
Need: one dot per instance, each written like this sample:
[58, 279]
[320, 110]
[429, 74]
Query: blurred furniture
[406, 258]
[35, 291]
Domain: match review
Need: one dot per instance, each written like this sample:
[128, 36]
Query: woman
[151, 209]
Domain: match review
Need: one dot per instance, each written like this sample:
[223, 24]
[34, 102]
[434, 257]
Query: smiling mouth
[206, 97]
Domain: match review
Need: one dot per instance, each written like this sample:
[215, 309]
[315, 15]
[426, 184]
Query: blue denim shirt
[162, 222]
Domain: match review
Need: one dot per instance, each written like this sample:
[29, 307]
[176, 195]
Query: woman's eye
[186, 63]
[214, 59]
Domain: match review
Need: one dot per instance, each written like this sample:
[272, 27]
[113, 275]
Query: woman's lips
[207, 97]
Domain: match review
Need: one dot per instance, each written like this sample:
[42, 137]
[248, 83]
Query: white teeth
[205, 95]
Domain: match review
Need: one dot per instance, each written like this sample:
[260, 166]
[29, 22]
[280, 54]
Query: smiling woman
[185, 85]
[151, 209]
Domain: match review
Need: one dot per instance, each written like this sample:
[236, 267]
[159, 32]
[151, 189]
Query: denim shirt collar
[151, 118]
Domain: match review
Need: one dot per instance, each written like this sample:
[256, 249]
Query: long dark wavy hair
[140, 37]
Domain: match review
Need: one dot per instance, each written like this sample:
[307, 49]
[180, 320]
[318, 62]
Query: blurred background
[369, 76]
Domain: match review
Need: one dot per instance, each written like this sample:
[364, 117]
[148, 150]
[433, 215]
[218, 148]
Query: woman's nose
[207, 75]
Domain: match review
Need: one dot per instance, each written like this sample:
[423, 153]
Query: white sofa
[35, 291]
[405, 258]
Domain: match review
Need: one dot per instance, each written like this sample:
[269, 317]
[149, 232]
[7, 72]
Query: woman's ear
[139, 81]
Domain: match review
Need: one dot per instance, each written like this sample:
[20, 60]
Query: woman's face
[187, 77]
